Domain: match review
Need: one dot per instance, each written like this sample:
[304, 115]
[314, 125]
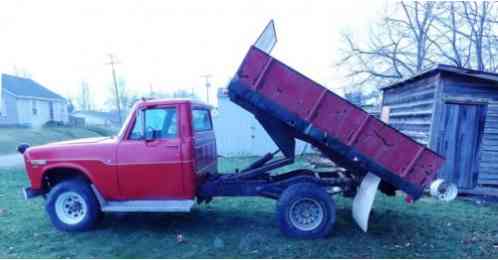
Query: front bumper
[30, 193]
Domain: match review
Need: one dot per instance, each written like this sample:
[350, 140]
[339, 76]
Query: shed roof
[25, 87]
[446, 68]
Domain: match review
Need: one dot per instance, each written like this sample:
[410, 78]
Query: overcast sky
[169, 44]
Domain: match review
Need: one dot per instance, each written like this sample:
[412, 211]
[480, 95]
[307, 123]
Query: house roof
[111, 116]
[25, 87]
[446, 68]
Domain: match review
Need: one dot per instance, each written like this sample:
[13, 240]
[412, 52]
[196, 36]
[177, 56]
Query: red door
[149, 161]
[205, 153]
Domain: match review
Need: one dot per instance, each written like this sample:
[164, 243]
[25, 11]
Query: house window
[3, 110]
[35, 109]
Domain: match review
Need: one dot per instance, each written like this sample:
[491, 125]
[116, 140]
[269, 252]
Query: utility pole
[151, 90]
[112, 62]
[208, 85]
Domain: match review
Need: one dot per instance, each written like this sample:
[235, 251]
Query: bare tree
[84, 101]
[476, 20]
[22, 72]
[418, 19]
[468, 29]
[447, 39]
[398, 46]
[126, 97]
[416, 35]
[182, 93]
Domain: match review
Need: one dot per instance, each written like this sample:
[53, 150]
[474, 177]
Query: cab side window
[155, 123]
[201, 120]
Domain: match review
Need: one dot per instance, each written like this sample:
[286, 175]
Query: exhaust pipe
[443, 190]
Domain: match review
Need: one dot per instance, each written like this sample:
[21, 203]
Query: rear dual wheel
[305, 210]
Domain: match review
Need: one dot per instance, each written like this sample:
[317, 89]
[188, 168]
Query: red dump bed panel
[397, 153]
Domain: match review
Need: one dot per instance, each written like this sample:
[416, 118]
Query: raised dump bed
[279, 95]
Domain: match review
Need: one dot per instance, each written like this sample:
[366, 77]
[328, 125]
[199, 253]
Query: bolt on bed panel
[397, 158]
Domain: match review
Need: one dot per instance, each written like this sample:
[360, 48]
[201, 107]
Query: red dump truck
[165, 155]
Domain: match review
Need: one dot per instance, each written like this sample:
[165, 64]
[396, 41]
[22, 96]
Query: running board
[143, 205]
[148, 206]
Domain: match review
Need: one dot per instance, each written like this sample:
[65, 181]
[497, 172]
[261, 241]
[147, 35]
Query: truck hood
[99, 148]
[91, 140]
[71, 144]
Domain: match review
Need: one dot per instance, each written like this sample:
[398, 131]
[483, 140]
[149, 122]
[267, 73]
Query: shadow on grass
[198, 221]
[206, 220]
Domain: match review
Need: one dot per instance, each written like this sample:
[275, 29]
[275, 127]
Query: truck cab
[155, 163]
[164, 149]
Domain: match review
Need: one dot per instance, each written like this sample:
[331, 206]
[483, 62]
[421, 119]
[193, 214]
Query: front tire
[306, 211]
[72, 206]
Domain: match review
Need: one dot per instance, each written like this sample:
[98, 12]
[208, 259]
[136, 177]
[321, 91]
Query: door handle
[172, 146]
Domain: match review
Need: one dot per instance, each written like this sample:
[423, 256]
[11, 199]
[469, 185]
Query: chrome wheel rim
[70, 208]
[306, 214]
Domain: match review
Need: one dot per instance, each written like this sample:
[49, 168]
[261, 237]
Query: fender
[106, 184]
[70, 166]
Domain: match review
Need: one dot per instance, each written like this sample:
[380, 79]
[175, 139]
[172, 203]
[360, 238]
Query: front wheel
[72, 206]
[305, 210]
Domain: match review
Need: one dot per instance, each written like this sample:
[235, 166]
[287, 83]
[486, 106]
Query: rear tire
[72, 206]
[305, 210]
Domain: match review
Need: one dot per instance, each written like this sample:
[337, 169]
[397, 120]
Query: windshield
[127, 121]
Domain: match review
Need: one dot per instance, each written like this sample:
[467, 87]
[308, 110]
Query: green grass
[10, 138]
[246, 228]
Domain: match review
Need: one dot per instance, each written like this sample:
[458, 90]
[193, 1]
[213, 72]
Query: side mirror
[149, 138]
[22, 148]
[151, 135]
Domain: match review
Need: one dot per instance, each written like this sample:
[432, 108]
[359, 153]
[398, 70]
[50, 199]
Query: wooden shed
[453, 111]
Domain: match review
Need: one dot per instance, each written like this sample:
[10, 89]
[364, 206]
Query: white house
[24, 102]
[238, 133]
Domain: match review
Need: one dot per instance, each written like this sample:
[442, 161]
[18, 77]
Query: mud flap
[363, 201]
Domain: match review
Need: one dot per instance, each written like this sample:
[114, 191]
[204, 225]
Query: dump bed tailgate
[344, 132]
